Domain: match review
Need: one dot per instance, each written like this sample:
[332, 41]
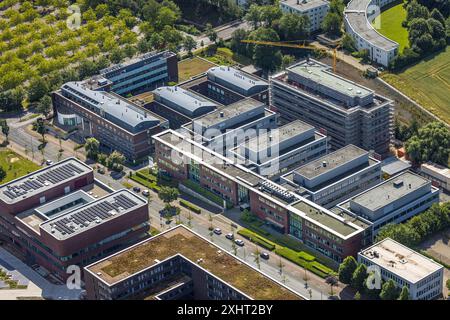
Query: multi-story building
[278, 150]
[438, 174]
[60, 216]
[144, 73]
[315, 10]
[228, 126]
[180, 264]
[332, 234]
[346, 111]
[335, 177]
[393, 261]
[116, 122]
[179, 105]
[393, 201]
[358, 17]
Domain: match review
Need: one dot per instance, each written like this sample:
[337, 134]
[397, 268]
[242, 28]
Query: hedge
[257, 239]
[306, 256]
[190, 206]
[146, 183]
[206, 193]
[296, 257]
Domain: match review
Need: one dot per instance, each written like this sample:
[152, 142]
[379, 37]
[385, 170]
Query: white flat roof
[400, 260]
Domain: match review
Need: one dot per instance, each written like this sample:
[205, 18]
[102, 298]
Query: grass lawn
[14, 165]
[391, 25]
[428, 83]
[192, 67]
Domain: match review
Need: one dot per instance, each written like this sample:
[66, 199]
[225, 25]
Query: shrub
[257, 239]
[190, 206]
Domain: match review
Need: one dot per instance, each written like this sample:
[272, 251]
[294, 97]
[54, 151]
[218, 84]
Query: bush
[206, 193]
[297, 258]
[190, 206]
[253, 237]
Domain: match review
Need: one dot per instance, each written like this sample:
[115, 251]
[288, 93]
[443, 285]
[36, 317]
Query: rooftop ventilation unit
[398, 183]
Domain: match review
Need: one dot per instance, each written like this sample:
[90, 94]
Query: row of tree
[428, 25]
[113, 161]
[418, 228]
[356, 276]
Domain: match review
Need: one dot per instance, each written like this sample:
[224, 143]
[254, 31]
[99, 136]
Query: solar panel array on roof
[93, 214]
[45, 179]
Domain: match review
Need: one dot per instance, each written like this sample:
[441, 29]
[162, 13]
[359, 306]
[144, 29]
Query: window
[67, 189]
[42, 200]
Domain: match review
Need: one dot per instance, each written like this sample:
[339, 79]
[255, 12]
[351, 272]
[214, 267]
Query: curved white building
[358, 17]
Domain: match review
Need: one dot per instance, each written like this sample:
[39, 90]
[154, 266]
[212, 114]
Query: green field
[191, 67]
[14, 165]
[391, 25]
[427, 83]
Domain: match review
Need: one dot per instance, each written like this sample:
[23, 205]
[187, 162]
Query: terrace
[199, 251]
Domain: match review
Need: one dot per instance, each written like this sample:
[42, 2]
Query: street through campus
[292, 275]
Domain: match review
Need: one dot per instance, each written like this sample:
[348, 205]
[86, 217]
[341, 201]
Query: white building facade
[316, 10]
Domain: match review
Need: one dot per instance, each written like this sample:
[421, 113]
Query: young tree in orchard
[346, 269]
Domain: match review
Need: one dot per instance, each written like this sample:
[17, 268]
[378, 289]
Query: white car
[239, 242]
[49, 162]
[145, 193]
[217, 231]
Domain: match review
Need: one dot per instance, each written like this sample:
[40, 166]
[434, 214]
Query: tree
[115, 161]
[348, 43]
[357, 296]
[359, 277]
[346, 269]
[5, 128]
[389, 291]
[287, 61]
[404, 294]
[331, 24]
[253, 15]
[41, 128]
[189, 44]
[37, 89]
[266, 57]
[45, 105]
[294, 27]
[12, 99]
[2, 174]
[257, 258]
[211, 33]
[332, 281]
[168, 194]
[92, 148]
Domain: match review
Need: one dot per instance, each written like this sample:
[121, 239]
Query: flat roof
[286, 132]
[400, 260]
[43, 179]
[304, 5]
[323, 218]
[356, 15]
[188, 102]
[121, 110]
[237, 77]
[390, 191]
[394, 166]
[199, 251]
[437, 168]
[92, 214]
[320, 73]
[229, 112]
[142, 57]
[333, 160]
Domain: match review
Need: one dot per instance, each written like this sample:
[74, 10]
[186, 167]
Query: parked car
[145, 193]
[264, 255]
[239, 242]
[49, 162]
[217, 231]
[136, 189]
[229, 236]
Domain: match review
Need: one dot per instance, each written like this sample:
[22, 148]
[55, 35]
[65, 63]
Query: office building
[438, 174]
[315, 10]
[144, 73]
[61, 216]
[343, 110]
[281, 149]
[422, 276]
[358, 17]
[117, 123]
[335, 177]
[394, 200]
[180, 264]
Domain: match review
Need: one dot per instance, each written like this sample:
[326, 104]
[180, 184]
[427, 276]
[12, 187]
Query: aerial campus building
[345, 111]
[180, 264]
[144, 73]
[333, 235]
[116, 122]
[278, 150]
[315, 10]
[393, 201]
[422, 276]
[335, 177]
[357, 18]
[438, 174]
[60, 216]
